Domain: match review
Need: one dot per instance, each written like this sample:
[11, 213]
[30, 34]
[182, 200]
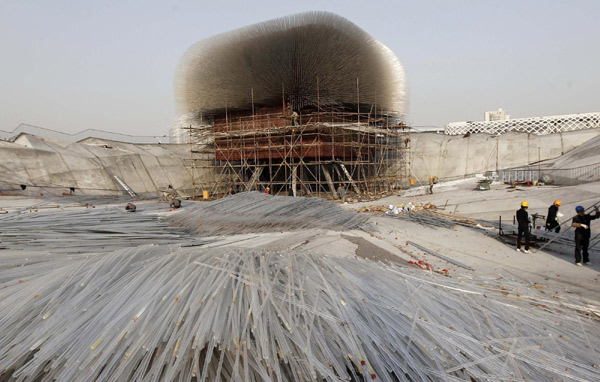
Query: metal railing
[561, 176]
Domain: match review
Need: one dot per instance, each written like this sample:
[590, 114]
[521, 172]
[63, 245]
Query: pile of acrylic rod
[85, 230]
[166, 313]
[424, 219]
[258, 212]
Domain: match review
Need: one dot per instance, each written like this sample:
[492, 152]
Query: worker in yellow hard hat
[552, 219]
[523, 227]
[268, 190]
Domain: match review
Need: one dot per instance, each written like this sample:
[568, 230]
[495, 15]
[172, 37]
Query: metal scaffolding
[314, 154]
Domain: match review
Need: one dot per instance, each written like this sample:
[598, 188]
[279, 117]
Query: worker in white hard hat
[552, 222]
[523, 227]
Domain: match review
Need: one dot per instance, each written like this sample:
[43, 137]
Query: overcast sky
[73, 65]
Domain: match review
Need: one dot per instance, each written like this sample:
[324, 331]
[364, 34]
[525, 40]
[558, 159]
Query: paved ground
[552, 268]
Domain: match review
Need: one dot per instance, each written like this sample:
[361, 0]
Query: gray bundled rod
[88, 230]
[167, 313]
[258, 212]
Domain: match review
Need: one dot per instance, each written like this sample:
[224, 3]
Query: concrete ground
[551, 268]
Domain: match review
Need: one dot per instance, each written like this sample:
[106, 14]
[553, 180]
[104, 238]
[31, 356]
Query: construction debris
[398, 208]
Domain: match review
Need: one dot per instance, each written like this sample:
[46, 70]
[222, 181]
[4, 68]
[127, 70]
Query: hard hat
[268, 188]
[557, 202]
[524, 204]
[579, 209]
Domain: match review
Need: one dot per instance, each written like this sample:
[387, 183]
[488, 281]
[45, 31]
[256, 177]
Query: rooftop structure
[534, 125]
[498, 115]
[302, 104]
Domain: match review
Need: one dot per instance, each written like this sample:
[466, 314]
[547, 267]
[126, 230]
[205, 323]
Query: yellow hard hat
[557, 202]
[524, 204]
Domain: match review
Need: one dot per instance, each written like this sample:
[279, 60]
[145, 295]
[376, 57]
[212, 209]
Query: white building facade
[535, 125]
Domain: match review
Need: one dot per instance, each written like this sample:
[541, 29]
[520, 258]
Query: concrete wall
[453, 157]
[51, 167]
[48, 166]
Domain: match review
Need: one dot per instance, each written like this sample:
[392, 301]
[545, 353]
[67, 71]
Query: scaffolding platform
[315, 155]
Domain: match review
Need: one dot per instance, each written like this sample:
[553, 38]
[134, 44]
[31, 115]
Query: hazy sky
[73, 65]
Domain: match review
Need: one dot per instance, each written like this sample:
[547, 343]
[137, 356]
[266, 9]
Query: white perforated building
[535, 125]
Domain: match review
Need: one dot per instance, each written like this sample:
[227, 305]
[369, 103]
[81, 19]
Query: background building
[534, 125]
[499, 115]
[303, 104]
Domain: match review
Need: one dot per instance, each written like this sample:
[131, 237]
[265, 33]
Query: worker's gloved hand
[584, 226]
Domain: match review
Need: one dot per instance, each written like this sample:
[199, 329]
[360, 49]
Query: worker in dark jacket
[523, 227]
[552, 218]
[581, 222]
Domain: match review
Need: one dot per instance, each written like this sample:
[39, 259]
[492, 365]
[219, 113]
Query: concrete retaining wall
[452, 157]
[48, 166]
[52, 167]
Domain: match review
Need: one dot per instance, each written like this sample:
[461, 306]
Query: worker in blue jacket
[581, 223]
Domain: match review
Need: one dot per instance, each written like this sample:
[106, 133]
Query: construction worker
[523, 227]
[581, 222]
[342, 192]
[268, 190]
[292, 114]
[552, 217]
[430, 185]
